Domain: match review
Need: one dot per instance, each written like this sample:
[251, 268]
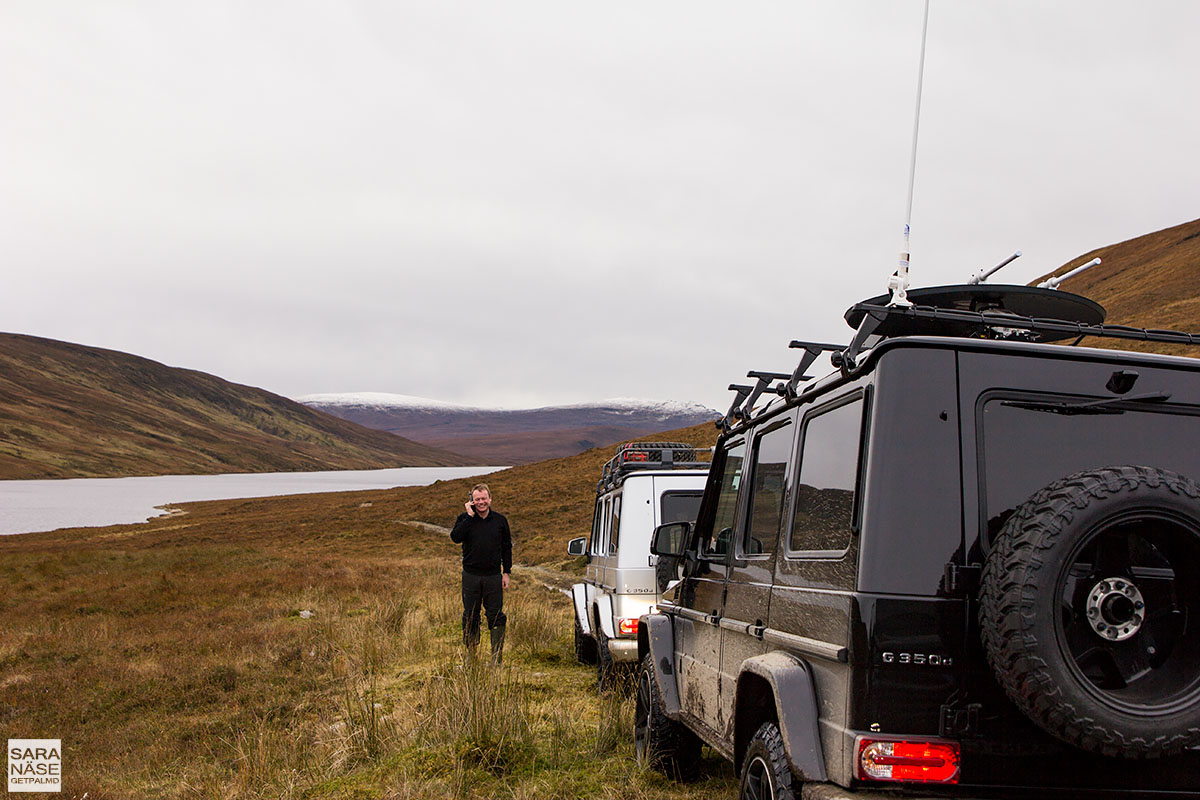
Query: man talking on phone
[487, 562]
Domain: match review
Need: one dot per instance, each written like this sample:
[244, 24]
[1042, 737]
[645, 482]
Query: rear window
[1029, 441]
[679, 507]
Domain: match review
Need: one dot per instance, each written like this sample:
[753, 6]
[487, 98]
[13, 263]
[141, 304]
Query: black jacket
[486, 543]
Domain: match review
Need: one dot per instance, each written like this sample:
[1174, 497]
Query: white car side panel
[579, 599]
[604, 610]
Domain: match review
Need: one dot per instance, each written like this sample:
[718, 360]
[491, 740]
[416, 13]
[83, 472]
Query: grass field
[173, 658]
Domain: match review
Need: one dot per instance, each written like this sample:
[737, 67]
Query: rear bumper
[623, 651]
[829, 791]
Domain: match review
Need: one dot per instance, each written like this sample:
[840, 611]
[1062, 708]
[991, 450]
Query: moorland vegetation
[309, 647]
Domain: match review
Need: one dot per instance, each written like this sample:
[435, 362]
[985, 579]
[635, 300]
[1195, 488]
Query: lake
[46, 505]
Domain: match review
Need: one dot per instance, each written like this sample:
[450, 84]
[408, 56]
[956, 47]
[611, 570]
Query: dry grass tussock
[176, 662]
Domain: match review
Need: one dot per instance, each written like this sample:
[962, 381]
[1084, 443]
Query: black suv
[966, 563]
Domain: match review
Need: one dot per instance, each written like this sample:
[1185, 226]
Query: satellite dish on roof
[990, 302]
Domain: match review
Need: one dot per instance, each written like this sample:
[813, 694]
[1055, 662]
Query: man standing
[487, 562]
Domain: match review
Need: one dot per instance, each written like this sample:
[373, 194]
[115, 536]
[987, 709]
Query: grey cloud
[331, 196]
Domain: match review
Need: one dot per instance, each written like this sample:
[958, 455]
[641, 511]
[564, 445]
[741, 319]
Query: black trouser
[488, 591]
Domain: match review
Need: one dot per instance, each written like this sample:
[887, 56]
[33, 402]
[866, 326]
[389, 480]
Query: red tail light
[904, 760]
[627, 627]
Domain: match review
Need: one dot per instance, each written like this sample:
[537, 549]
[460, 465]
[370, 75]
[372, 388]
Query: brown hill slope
[546, 503]
[1152, 281]
[67, 410]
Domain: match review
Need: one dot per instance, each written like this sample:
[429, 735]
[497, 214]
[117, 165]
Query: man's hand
[504, 580]
[470, 508]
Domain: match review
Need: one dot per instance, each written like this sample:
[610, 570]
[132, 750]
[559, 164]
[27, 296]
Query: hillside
[1152, 281]
[308, 648]
[547, 503]
[67, 410]
[511, 436]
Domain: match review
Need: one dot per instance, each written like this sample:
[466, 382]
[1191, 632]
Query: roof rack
[634, 456]
[812, 350]
[746, 396]
[1013, 313]
[978, 311]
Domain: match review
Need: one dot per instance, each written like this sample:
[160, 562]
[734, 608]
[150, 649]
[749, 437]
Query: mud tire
[1045, 637]
[765, 771]
[607, 678]
[585, 646]
[660, 742]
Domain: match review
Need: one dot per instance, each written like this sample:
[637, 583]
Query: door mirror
[577, 547]
[670, 539]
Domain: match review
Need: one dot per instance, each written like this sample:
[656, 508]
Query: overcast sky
[528, 203]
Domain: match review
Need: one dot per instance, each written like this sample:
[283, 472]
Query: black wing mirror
[577, 547]
[670, 539]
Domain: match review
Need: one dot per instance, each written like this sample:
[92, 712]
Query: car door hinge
[959, 579]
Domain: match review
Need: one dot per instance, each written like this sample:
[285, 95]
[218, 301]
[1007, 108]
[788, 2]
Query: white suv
[646, 484]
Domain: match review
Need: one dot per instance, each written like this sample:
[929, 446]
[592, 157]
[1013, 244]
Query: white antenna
[983, 275]
[1053, 283]
[898, 285]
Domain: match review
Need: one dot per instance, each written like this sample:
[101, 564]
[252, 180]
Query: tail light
[908, 760]
[627, 626]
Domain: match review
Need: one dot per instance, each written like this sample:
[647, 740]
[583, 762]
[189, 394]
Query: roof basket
[648, 455]
[1016, 313]
[977, 311]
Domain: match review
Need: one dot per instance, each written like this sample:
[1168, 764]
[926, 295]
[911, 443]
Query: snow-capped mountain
[378, 400]
[506, 435]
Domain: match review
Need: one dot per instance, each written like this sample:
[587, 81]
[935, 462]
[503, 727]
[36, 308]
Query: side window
[600, 528]
[679, 507]
[768, 492]
[731, 479]
[615, 530]
[825, 488]
[597, 518]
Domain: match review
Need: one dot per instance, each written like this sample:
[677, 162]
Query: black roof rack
[978, 311]
[1015, 313]
[747, 396]
[634, 456]
[812, 350]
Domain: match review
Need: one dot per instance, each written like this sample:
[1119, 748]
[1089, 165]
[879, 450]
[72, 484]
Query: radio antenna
[899, 282]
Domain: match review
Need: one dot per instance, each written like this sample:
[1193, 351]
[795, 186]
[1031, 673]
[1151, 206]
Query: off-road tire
[765, 771]
[659, 741]
[585, 646]
[606, 670]
[1046, 647]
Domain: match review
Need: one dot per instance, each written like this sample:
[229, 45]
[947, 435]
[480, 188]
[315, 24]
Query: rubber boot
[497, 636]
